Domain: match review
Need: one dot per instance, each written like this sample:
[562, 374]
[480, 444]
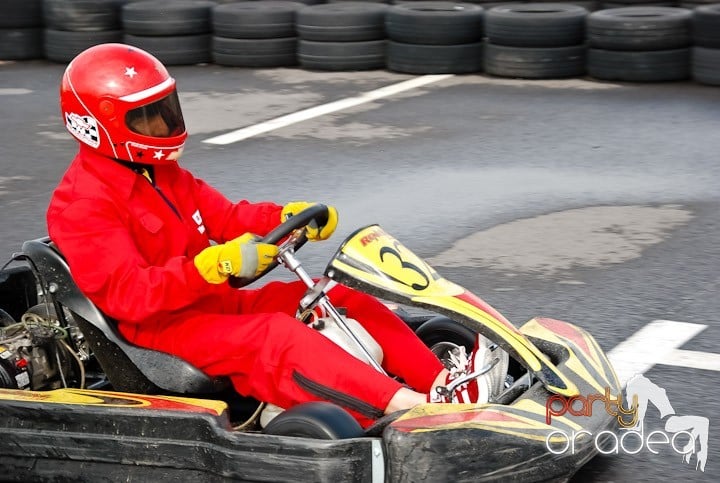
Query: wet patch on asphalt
[551, 245]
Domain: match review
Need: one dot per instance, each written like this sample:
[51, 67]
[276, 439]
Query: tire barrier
[72, 26]
[427, 37]
[21, 30]
[343, 35]
[705, 63]
[255, 34]
[535, 40]
[692, 4]
[636, 41]
[639, 44]
[177, 32]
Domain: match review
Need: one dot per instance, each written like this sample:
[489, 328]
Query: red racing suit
[130, 246]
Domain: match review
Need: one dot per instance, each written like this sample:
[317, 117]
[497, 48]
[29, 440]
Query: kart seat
[128, 367]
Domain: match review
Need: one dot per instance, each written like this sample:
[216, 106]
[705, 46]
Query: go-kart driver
[136, 231]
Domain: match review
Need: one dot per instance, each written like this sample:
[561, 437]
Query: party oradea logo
[686, 435]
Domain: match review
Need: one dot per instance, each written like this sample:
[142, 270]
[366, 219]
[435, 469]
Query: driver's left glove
[243, 257]
[315, 231]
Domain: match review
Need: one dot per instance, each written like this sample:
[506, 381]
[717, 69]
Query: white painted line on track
[651, 345]
[321, 110]
[13, 91]
[697, 360]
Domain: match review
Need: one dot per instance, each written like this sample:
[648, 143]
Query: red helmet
[122, 102]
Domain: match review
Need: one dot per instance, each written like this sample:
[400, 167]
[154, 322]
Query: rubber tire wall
[536, 25]
[706, 26]
[435, 59]
[342, 56]
[255, 34]
[165, 18]
[62, 46]
[255, 52]
[344, 36]
[342, 22]
[177, 33]
[16, 14]
[174, 49]
[82, 15]
[706, 65]
[639, 28]
[650, 66]
[435, 23]
[21, 43]
[535, 63]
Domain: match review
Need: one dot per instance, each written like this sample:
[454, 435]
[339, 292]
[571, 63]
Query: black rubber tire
[174, 50]
[536, 25]
[706, 65]
[442, 333]
[61, 46]
[162, 18]
[342, 22]
[691, 4]
[82, 15]
[255, 52]
[651, 66]
[706, 26]
[435, 59]
[21, 44]
[6, 319]
[531, 63]
[639, 28]
[16, 14]
[435, 23]
[269, 19]
[342, 56]
[317, 420]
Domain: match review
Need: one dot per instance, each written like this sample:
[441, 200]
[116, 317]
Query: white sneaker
[471, 379]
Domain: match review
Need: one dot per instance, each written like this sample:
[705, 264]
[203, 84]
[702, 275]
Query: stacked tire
[691, 4]
[72, 26]
[639, 44]
[427, 37]
[342, 36]
[255, 34]
[706, 51]
[21, 33]
[535, 40]
[637, 3]
[177, 32]
[589, 5]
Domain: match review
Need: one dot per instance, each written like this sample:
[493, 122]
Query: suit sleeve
[110, 270]
[226, 220]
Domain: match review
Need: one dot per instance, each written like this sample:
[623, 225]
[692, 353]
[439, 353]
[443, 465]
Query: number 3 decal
[405, 265]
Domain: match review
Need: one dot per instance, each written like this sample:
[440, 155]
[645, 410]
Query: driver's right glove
[243, 257]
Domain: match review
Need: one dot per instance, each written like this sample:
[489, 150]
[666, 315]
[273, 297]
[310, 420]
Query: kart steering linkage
[317, 295]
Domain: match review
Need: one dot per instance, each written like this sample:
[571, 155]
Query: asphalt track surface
[591, 202]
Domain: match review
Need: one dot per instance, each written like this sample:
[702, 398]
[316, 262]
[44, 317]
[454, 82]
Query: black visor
[161, 119]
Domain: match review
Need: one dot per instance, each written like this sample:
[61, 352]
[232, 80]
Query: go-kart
[79, 402]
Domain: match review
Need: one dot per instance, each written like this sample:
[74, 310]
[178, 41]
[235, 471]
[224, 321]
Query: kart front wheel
[317, 420]
[442, 335]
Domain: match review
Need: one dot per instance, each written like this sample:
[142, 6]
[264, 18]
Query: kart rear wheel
[317, 420]
[442, 335]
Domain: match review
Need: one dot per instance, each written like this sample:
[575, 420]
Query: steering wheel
[296, 222]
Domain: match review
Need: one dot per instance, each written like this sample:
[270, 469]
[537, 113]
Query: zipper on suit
[337, 397]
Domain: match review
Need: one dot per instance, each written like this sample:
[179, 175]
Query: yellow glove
[243, 257]
[315, 232]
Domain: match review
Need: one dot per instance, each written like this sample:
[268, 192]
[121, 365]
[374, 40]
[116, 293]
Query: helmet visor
[161, 119]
